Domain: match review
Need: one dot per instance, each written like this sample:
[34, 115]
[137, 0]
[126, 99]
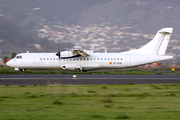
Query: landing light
[74, 76]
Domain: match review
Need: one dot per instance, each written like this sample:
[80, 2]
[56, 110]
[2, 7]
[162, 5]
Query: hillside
[14, 38]
[21, 19]
[139, 14]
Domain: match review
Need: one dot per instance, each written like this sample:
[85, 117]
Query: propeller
[63, 47]
[59, 52]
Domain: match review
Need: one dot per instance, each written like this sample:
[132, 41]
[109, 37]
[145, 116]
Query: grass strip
[90, 102]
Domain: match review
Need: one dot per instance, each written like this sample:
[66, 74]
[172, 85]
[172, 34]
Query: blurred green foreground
[90, 102]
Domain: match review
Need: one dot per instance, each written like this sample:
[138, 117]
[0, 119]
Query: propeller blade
[63, 46]
[59, 52]
[58, 47]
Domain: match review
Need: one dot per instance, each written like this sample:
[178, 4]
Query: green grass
[90, 102]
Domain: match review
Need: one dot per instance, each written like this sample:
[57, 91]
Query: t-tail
[158, 45]
[156, 48]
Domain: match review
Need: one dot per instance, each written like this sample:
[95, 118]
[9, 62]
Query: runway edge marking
[85, 78]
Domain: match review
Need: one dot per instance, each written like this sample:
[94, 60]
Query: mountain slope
[145, 15]
[20, 19]
[138, 14]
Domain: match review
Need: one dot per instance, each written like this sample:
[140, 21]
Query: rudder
[164, 43]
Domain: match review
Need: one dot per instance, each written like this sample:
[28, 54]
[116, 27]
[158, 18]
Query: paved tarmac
[43, 79]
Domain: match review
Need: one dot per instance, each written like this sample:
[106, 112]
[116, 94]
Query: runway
[44, 79]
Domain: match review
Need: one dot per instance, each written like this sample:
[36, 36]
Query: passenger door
[127, 60]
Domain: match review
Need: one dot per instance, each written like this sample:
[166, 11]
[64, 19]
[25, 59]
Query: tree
[13, 55]
[5, 58]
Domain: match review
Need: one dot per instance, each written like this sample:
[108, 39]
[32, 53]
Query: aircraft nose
[8, 63]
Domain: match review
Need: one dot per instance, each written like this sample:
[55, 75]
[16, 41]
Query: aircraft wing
[79, 52]
[75, 53]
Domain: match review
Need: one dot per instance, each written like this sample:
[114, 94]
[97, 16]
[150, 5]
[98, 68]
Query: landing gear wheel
[21, 70]
[78, 69]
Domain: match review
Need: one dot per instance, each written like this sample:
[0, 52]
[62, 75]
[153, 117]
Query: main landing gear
[80, 70]
[20, 70]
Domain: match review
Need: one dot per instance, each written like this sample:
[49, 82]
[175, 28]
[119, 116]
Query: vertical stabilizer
[158, 45]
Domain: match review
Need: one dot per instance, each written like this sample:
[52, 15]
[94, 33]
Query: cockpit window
[18, 57]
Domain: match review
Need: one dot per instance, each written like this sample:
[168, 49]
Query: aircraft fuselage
[92, 62]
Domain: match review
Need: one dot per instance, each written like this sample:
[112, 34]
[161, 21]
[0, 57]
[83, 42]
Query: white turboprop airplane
[80, 60]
